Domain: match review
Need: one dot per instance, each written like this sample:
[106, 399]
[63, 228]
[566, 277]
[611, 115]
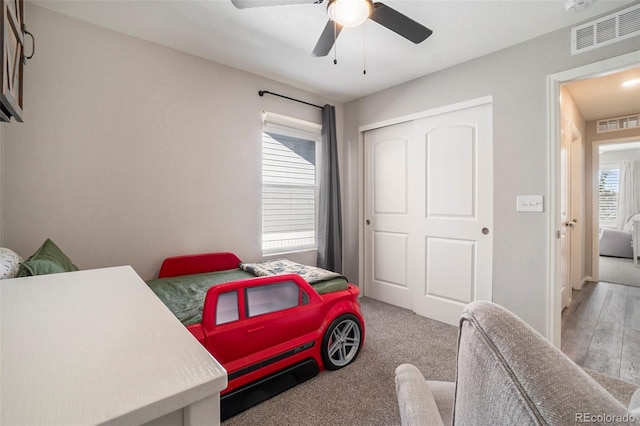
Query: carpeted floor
[363, 393]
[619, 271]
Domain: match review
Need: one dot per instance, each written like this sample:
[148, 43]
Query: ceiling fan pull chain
[364, 48]
[335, 44]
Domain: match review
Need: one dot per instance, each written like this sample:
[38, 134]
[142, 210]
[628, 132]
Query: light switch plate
[530, 203]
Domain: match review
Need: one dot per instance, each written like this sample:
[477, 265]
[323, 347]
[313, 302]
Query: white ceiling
[605, 96]
[276, 42]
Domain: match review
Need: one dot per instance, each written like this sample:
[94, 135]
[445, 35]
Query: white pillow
[9, 263]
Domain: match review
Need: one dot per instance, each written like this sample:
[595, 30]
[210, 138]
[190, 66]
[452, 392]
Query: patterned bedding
[311, 274]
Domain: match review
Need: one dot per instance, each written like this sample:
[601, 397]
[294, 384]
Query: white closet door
[429, 204]
[454, 251]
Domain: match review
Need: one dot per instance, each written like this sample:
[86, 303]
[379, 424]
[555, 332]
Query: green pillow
[48, 259]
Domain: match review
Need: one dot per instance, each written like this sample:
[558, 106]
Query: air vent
[606, 30]
[619, 123]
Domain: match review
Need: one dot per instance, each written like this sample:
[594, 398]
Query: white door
[429, 246]
[565, 214]
[387, 214]
[454, 251]
[576, 195]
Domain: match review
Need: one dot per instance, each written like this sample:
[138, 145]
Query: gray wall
[516, 78]
[132, 152]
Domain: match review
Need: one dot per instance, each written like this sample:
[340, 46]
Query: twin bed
[183, 281]
[271, 324]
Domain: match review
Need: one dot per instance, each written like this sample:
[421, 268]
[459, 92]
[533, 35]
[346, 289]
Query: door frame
[361, 161]
[554, 81]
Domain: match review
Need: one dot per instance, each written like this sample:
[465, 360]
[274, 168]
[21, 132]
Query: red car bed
[269, 327]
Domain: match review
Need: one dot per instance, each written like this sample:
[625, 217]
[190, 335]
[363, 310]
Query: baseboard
[584, 280]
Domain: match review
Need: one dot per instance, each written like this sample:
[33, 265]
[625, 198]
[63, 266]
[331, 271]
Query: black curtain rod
[263, 92]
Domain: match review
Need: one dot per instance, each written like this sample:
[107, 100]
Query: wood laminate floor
[601, 329]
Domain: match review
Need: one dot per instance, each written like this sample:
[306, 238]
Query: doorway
[554, 83]
[613, 253]
[571, 208]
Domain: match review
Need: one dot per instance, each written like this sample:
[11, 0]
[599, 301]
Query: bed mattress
[184, 295]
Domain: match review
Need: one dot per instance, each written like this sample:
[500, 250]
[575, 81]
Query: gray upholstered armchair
[507, 374]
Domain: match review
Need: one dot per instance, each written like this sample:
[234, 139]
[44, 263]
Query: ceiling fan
[351, 13]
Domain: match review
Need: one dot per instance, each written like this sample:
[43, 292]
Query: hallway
[601, 329]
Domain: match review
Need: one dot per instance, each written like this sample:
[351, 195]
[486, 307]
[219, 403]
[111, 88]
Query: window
[289, 188]
[608, 194]
[271, 298]
[227, 309]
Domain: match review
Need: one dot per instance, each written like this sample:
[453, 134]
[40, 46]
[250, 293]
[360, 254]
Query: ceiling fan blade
[327, 38]
[245, 4]
[399, 23]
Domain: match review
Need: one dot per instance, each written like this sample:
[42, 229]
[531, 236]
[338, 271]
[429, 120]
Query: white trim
[554, 81]
[287, 252]
[607, 165]
[361, 212]
[298, 132]
[554, 302]
[429, 113]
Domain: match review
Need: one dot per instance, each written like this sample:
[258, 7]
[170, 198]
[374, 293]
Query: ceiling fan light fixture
[349, 13]
[631, 83]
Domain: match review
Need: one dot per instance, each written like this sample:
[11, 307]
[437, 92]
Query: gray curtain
[329, 208]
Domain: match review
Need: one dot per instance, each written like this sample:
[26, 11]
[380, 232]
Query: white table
[98, 347]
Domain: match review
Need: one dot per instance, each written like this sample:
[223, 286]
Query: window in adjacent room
[608, 194]
[289, 184]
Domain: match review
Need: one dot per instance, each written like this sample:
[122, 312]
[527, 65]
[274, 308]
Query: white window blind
[608, 177]
[289, 189]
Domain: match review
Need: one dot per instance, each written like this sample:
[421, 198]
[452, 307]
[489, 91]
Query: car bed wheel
[341, 342]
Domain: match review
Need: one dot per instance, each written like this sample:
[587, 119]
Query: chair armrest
[634, 404]
[415, 400]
